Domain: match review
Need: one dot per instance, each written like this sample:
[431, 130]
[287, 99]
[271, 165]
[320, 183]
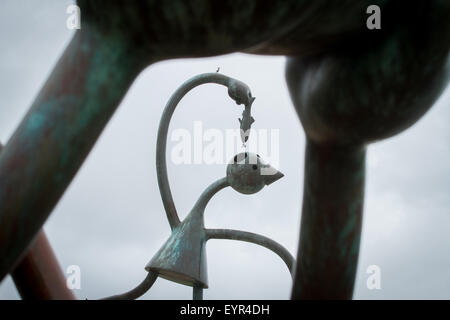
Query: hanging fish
[246, 121]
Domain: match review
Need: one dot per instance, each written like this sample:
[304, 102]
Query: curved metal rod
[161, 168]
[38, 274]
[256, 239]
[135, 293]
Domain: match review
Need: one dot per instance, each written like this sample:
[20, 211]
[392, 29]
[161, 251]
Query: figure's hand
[240, 92]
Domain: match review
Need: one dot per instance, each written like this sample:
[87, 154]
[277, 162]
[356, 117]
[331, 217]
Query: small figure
[182, 258]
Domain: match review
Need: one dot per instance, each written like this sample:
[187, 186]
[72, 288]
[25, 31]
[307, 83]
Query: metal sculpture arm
[346, 101]
[237, 90]
[57, 133]
[140, 290]
[256, 239]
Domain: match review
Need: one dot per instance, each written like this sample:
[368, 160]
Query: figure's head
[247, 174]
[240, 92]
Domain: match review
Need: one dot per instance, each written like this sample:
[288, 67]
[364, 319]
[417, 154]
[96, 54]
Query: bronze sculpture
[182, 258]
[404, 66]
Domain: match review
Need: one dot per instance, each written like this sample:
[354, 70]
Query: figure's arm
[256, 239]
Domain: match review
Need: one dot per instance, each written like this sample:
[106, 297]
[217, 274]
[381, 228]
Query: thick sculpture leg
[52, 141]
[38, 275]
[331, 222]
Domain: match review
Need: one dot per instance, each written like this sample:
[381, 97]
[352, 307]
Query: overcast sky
[111, 219]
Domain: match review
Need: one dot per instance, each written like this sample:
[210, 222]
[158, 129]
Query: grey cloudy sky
[111, 220]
